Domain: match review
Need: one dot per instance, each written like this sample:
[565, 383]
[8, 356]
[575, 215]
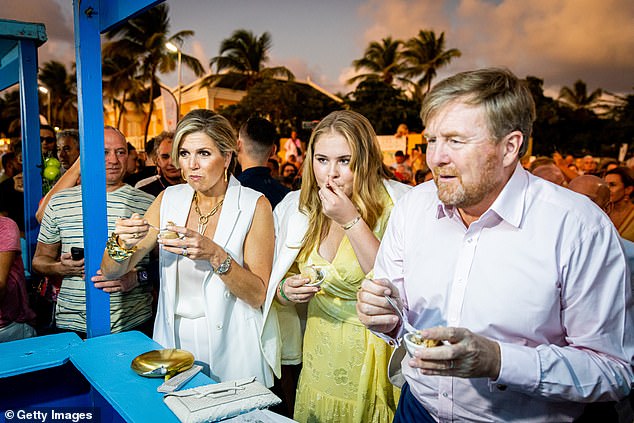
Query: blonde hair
[366, 164]
[215, 126]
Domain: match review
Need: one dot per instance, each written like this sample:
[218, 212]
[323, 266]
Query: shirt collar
[509, 205]
[257, 171]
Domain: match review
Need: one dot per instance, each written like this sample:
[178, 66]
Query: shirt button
[444, 394]
[219, 326]
[469, 241]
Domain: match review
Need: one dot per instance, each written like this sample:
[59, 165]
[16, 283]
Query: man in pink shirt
[524, 282]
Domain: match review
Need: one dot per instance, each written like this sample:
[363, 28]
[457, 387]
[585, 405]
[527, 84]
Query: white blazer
[234, 326]
[290, 227]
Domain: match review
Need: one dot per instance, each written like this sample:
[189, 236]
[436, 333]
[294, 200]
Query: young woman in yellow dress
[334, 224]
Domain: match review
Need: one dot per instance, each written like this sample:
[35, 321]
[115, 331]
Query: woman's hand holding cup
[295, 289]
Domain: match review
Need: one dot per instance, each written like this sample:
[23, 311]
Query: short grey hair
[69, 133]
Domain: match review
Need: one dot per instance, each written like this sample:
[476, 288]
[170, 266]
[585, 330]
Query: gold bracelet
[351, 223]
[117, 252]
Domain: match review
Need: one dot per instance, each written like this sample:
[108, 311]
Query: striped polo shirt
[62, 223]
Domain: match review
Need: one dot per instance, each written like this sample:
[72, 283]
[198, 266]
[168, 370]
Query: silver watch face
[224, 266]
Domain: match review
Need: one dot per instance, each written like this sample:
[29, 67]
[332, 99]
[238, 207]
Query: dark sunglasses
[47, 139]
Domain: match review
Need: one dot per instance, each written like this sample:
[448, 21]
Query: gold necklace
[204, 218]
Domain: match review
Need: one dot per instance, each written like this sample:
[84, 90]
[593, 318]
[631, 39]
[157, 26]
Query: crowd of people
[307, 272]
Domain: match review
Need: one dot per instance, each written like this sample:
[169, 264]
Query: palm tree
[120, 84]
[144, 37]
[382, 61]
[247, 55]
[424, 55]
[62, 92]
[577, 97]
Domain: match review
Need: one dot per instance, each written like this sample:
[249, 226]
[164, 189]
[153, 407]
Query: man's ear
[273, 150]
[239, 146]
[512, 145]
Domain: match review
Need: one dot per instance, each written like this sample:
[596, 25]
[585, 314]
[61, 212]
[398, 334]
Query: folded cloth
[211, 403]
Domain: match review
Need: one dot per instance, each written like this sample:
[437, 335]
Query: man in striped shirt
[62, 228]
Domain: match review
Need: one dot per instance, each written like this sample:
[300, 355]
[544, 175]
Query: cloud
[58, 19]
[558, 41]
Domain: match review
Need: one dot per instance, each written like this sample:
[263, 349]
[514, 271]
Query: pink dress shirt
[543, 273]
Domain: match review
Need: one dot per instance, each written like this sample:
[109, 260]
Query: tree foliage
[384, 105]
[424, 55]
[381, 61]
[247, 55]
[577, 97]
[145, 38]
[62, 87]
[285, 103]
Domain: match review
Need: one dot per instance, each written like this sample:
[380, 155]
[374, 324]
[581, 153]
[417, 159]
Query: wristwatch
[224, 266]
[141, 276]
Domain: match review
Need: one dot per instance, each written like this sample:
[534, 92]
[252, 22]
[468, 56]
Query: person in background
[216, 251]
[564, 166]
[288, 173]
[62, 229]
[621, 213]
[334, 223]
[256, 143]
[293, 146]
[132, 175]
[550, 172]
[402, 170]
[15, 314]
[402, 131]
[68, 151]
[11, 166]
[274, 165]
[417, 161]
[67, 147]
[48, 141]
[593, 187]
[606, 165]
[423, 175]
[517, 345]
[11, 196]
[588, 165]
[167, 174]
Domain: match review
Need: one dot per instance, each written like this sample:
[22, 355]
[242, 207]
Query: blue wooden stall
[62, 370]
[18, 64]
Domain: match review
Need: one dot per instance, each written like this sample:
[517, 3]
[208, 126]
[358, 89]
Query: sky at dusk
[558, 41]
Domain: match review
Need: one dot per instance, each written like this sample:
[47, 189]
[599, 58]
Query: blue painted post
[31, 149]
[93, 169]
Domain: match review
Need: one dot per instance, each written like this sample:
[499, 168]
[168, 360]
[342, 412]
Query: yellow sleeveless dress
[344, 374]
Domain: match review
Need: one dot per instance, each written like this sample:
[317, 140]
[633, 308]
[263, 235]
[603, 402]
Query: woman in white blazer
[333, 224]
[216, 251]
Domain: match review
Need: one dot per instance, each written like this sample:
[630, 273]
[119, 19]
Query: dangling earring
[226, 177]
